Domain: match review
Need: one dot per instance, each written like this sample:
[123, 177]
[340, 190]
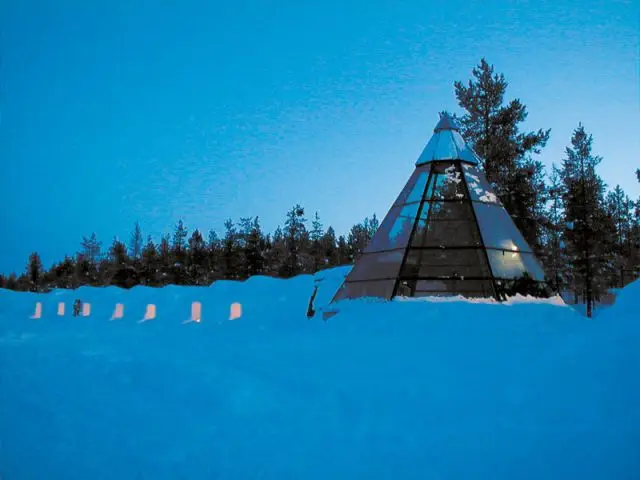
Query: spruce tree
[553, 236]
[253, 253]
[118, 271]
[62, 275]
[585, 217]
[91, 249]
[135, 246]
[329, 246]
[342, 252]
[34, 272]
[164, 261]
[277, 257]
[149, 269]
[214, 251]
[197, 260]
[179, 255]
[295, 236]
[230, 252]
[617, 208]
[374, 224]
[11, 282]
[316, 233]
[88, 261]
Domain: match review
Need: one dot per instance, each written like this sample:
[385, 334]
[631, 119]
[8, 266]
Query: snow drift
[421, 390]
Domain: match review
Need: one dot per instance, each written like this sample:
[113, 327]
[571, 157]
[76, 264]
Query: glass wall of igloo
[446, 234]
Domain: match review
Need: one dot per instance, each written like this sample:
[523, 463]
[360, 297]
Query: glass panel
[399, 233]
[445, 263]
[533, 266]
[447, 184]
[475, 288]
[395, 229]
[447, 234]
[446, 148]
[479, 188]
[380, 240]
[418, 189]
[377, 265]
[497, 228]
[450, 224]
[505, 264]
[375, 288]
[420, 174]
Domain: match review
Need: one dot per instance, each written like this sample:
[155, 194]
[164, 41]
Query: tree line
[586, 234]
[188, 258]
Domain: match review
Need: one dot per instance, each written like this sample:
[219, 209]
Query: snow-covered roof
[447, 144]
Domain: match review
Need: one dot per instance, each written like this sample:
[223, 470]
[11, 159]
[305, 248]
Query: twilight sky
[112, 111]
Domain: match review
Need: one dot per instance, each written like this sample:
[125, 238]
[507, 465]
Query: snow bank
[451, 390]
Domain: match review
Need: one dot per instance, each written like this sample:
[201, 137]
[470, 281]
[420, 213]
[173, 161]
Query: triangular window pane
[497, 228]
[378, 265]
[419, 176]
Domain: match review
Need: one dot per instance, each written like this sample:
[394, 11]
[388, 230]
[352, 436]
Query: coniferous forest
[586, 233]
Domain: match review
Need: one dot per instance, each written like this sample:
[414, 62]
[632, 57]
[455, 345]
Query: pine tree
[585, 217]
[316, 228]
[617, 208]
[62, 275]
[11, 282]
[198, 260]
[149, 265]
[253, 249]
[230, 252]
[91, 249]
[135, 246]
[329, 246]
[276, 258]
[179, 254]
[164, 262]
[295, 235]
[316, 249]
[118, 271]
[342, 252]
[492, 130]
[214, 250]
[357, 240]
[3, 281]
[374, 224]
[553, 236]
[34, 272]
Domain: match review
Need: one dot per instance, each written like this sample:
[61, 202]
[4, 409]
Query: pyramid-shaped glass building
[446, 234]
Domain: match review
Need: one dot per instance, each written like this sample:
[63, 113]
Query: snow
[452, 175]
[489, 197]
[402, 389]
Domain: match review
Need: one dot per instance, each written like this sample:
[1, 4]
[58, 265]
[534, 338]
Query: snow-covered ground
[384, 390]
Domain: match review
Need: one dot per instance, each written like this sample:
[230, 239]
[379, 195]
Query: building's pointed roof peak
[447, 143]
[447, 122]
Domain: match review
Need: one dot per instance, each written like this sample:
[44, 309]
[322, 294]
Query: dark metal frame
[481, 246]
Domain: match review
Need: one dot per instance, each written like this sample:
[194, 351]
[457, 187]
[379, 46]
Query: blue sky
[118, 111]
